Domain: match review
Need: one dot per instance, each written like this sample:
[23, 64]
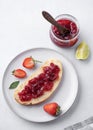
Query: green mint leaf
[14, 85]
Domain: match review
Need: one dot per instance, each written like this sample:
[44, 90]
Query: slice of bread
[46, 94]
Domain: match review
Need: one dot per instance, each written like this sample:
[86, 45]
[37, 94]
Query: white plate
[64, 95]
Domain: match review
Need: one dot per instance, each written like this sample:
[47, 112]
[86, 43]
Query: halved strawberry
[19, 73]
[29, 62]
[52, 109]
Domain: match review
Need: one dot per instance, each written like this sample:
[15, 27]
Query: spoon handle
[50, 19]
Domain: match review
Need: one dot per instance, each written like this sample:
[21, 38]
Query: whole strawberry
[52, 108]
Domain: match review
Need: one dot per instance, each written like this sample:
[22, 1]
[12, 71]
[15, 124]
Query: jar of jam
[69, 22]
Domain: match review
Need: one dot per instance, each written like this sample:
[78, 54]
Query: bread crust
[46, 94]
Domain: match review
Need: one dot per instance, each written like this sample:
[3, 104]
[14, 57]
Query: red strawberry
[29, 62]
[52, 109]
[19, 73]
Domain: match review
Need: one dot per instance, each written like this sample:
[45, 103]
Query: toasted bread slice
[46, 94]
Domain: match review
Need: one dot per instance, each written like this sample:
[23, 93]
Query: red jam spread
[61, 41]
[40, 84]
[70, 25]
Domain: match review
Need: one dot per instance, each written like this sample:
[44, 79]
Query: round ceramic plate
[65, 94]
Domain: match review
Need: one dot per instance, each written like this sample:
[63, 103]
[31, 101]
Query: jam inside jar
[69, 22]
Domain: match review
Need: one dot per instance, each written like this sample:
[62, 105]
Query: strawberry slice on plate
[19, 73]
[29, 62]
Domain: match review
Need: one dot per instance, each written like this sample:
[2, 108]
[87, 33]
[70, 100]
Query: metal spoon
[63, 30]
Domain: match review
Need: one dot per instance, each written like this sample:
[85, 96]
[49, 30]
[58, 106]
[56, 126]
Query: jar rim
[69, 17]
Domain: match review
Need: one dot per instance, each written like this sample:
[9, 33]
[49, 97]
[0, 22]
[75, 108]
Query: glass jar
[69, 22]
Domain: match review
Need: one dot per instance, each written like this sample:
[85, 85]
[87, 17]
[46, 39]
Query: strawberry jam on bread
[41, 84]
